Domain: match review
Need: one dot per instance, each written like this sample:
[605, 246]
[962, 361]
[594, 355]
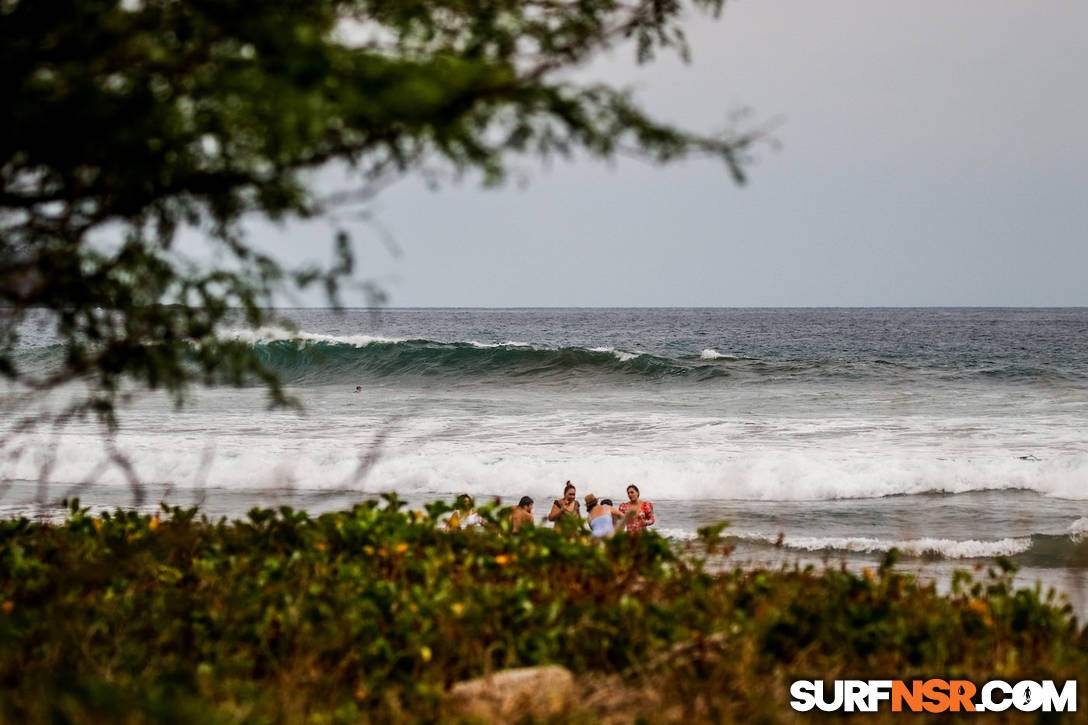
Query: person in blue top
[600, 516]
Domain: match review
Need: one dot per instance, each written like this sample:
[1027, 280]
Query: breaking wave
[1036, 550]
[924, 548]
[304, 358]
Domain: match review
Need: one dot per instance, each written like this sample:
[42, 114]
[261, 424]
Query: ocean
[823, 436]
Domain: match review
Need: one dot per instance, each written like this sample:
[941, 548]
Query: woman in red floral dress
[641, 512]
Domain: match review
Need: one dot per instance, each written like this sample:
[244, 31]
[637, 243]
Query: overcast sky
[932, 152]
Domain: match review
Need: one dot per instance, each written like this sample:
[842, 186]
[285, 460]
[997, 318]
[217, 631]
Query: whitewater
[952, 435]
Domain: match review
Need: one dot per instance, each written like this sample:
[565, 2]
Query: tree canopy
[131, 120]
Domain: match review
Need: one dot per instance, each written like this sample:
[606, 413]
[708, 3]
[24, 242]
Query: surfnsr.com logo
[933, 696]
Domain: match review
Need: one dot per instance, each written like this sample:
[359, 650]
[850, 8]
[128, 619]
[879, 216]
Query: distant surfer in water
[358, 388]
[638, 514]
[566, 506]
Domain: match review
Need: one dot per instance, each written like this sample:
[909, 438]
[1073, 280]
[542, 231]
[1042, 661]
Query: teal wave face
[305, 362]
[1048, 550]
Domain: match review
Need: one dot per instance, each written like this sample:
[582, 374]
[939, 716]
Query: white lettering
[856, 696]
[878, 690]
[989, 704]
[803, 695]
[1027, 696]
[1065, 701]
[834, 704]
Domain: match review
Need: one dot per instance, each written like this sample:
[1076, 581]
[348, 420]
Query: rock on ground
[509, 695]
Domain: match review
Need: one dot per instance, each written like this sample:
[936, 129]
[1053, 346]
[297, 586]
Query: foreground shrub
[370, 614]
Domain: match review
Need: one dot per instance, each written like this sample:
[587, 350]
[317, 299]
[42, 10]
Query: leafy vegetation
[369, 615]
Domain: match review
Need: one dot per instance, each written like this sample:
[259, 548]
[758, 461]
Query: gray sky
[933, 152]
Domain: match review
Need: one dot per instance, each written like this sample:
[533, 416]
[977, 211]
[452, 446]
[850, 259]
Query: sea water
[821, 435]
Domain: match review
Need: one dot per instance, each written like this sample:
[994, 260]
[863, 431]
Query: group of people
[603, 519]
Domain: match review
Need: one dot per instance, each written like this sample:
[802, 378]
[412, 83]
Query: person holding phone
[566, 506]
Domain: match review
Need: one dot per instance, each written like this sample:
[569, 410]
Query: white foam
[443, 442]
[493, 345]
[710, 354]
[1079, 529]
[947, 548]
[620, 355]
[260, 449]
[677, 534]
[276, 334]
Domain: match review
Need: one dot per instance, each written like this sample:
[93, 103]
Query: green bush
[370, 614]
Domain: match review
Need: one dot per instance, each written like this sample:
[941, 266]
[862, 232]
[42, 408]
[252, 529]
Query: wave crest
[925, 548]
[307, 358]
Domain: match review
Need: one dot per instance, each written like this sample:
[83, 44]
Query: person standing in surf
[600, 517]
[566, 506]
[617, 517]
[464, 514]
[522, 514]
[638, 514]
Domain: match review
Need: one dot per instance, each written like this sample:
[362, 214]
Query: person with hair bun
[566, 506]
[638, 514]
